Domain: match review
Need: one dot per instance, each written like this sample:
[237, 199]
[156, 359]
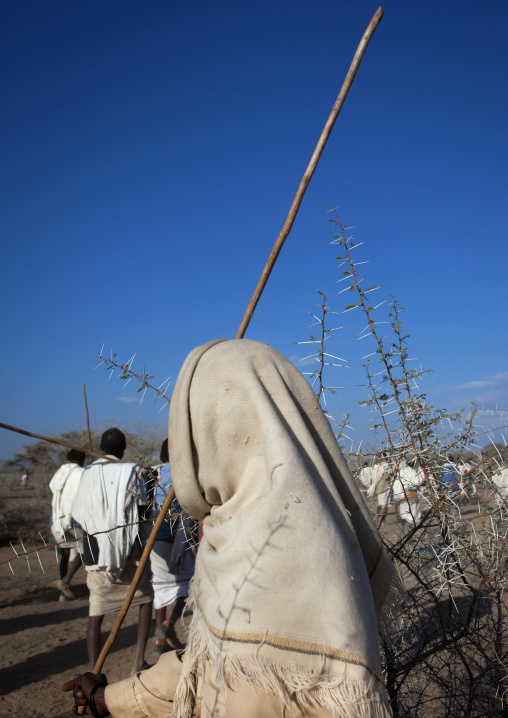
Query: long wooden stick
[54, 441]
[88, 423]
[310, 170]
[257, 293]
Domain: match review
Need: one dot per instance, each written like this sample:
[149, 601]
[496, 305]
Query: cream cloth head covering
[291, 571]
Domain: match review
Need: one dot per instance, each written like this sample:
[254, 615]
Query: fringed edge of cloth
[339, 697]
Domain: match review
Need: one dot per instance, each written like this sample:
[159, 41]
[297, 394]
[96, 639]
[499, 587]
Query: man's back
[64, 486]
[107, 505]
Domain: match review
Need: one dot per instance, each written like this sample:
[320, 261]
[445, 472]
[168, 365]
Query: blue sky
[150, 155]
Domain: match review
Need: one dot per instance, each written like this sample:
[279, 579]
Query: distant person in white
[500, 481]
[172, 563]
[405, 491]
[64, 486]
[381, 483]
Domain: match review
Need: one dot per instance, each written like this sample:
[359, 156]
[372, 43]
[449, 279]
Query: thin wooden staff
[310, 170]
[132, 588]
[88, 423]
[59, 442]
[261, 284]
[135, 581]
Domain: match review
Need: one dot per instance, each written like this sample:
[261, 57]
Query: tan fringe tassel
[338, 697]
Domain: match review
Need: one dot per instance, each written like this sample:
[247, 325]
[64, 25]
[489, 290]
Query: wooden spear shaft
[88, 423]
[255, 297]
[310, 170]
[132, 588]
[52, 441]
[135, 581]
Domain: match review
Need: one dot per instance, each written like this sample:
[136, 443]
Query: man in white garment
[110, 503]
[381, 482]
[366, 478]
[500, 481]
[171, 561]
[405, 491]
[64, 486]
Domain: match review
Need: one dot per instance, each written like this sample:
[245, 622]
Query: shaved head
[113, 442]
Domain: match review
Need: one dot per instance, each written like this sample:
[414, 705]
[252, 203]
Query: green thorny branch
[415, 430]
[452, 567]
[126, 374]
[174, 519]
[394, 389]
[325, 359]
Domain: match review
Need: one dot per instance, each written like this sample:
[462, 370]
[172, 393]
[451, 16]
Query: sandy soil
[43, 640]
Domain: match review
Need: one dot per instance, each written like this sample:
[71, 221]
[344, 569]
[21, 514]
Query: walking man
[109, 503]
[64, 486]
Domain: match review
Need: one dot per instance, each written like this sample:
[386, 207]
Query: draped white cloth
[291, 570]
[64, 486]
[404, 487]
[500, 480]
[407, 478]
[108, 498]
[378, 471]
[172, 568]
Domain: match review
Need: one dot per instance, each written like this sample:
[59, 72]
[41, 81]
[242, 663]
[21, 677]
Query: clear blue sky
[150, 152]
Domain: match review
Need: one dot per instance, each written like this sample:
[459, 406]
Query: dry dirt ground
[42, 641]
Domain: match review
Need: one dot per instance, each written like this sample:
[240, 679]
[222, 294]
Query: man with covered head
[284, 527]
[108, 503]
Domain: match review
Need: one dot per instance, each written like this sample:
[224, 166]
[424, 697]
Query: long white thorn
[27, 560]
[37, 552]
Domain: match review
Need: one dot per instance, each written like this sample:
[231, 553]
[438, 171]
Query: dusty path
[43, 641]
